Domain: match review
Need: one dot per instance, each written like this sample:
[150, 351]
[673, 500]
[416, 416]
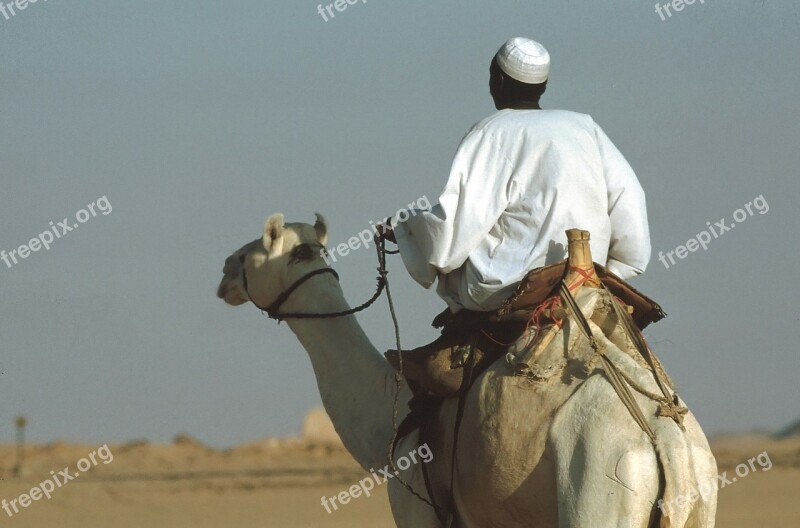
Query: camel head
[266, 260]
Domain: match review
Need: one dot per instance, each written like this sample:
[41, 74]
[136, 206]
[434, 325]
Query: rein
[272, 309]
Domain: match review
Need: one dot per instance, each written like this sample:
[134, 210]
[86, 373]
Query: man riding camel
[519, 179]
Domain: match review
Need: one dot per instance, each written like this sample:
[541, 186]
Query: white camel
[558, 451]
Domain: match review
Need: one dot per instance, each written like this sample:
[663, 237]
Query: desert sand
[280, 483]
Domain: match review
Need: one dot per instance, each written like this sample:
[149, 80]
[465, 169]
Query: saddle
[542, 283]
[471, 341]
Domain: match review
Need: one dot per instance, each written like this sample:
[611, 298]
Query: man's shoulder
[519, 119]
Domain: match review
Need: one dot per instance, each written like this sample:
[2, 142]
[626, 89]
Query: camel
[560, 450]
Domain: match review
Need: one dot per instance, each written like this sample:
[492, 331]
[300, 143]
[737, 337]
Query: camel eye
[241, 258]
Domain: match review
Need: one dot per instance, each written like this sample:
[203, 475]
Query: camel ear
[321, 227]
[273, 231]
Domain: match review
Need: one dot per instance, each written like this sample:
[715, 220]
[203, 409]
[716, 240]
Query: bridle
[272, 309]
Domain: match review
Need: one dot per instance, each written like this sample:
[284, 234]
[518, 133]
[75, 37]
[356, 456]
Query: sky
[187, 123]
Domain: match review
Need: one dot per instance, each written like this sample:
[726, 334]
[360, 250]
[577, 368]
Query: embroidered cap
[525, 60]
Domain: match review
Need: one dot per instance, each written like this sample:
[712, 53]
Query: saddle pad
[541, 283]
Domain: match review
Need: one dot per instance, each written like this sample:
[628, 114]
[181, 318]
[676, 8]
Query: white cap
[525, 60]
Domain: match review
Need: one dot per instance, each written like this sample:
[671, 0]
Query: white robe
[519, 180]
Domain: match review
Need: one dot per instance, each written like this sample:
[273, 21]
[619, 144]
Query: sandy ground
[279, 483]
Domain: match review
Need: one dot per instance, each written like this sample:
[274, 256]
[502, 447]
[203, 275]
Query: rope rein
[398, 379]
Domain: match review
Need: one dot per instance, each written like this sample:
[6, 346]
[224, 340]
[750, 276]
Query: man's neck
[525, 106]
[521, 105]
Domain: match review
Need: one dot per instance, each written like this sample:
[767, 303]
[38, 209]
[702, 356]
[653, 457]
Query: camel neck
[356, 384]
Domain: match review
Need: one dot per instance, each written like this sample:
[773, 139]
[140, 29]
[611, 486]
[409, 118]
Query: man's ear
[273, 231]
[321, 227]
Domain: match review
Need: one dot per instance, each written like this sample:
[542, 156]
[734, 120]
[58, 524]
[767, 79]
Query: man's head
[518, 74]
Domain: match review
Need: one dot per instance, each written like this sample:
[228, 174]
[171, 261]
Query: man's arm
[629, 250]
[476, 194]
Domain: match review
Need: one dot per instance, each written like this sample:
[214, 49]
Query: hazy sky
[198, 119]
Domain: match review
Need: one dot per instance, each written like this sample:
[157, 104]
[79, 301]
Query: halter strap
[272, 309]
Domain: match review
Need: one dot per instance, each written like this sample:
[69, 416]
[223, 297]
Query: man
[519, 179]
